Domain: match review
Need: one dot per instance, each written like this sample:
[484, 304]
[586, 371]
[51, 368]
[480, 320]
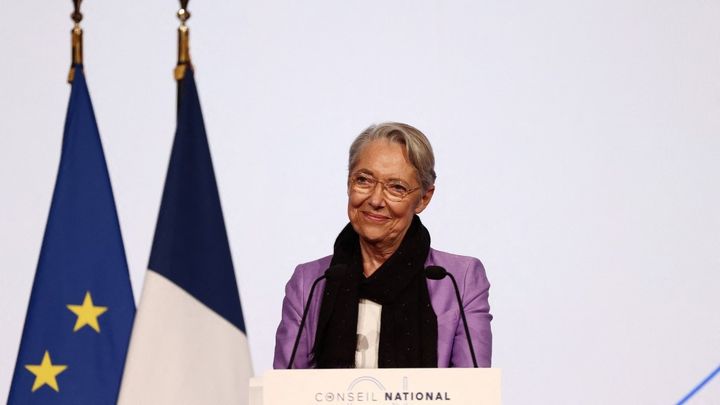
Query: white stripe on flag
[181, 352]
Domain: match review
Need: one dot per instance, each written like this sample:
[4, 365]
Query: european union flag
[81, 307]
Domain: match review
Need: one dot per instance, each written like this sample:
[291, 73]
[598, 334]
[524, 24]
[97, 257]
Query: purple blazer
[452, 345]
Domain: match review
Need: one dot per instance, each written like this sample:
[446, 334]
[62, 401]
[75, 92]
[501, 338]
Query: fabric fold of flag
[81, 306]
[189, 344]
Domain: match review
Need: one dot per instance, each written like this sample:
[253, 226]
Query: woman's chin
[372, 234]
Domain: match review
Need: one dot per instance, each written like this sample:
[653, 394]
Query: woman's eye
[399, 189]
[363, 180]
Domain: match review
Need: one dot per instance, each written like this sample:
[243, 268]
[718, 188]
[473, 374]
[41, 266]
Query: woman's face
[376, 219]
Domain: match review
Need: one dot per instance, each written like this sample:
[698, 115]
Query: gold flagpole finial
[77, 40]
[183, 42]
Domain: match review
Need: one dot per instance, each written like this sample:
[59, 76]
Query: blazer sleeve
[475, 289]
[287, 331]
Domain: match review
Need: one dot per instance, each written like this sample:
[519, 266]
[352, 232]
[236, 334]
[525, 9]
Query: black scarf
[408, 325]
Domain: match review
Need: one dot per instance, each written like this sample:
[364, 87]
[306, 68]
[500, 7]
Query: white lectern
[399, 386]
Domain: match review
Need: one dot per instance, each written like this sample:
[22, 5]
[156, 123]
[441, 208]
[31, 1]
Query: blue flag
[189, 343]
[81, 307]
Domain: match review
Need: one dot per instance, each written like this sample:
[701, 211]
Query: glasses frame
[386, 192]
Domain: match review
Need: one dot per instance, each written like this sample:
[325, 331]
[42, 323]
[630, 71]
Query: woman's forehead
[383, 158]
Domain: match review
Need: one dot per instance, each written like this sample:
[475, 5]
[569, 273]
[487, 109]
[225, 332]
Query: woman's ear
[425, 199]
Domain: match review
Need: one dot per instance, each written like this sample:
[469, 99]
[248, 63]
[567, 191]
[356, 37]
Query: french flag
[189, 343]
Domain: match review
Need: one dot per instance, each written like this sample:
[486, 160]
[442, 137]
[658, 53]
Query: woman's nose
[377, 196]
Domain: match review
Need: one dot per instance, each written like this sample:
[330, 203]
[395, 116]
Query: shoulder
[311, 270]
[452, 261]
[461, 267]
[316, 266]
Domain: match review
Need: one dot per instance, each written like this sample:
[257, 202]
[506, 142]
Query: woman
[377, 308]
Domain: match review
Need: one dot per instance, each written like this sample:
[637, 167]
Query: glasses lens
[396, 191]
[363, 183]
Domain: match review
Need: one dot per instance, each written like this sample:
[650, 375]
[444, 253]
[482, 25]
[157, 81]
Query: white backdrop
[577, 143]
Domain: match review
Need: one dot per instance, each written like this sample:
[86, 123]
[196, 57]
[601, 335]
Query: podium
[398, 386]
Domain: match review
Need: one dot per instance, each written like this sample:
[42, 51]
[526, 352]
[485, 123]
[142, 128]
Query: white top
[368, 334]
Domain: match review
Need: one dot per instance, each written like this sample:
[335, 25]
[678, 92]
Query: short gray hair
[419, 150]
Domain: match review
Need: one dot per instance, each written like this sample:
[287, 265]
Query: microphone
[439, 273]
[332, 272]
[435, 272]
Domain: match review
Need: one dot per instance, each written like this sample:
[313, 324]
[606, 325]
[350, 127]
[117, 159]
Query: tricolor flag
[188, 343]
[81, 306]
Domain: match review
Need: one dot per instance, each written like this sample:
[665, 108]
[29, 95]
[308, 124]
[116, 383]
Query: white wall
[577, 151]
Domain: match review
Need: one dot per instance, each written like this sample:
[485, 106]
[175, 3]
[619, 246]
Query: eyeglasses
[393, 190]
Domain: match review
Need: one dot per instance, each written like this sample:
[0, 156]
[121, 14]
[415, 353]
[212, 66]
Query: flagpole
[183, 42]
[76, 40]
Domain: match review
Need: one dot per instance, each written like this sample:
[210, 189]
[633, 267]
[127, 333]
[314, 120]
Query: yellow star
[87, 313]
[45, 373]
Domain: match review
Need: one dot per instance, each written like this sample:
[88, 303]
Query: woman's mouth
[374, 217]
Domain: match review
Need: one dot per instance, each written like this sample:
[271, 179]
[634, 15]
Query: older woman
[379, 309]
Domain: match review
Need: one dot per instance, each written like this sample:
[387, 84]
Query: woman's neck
[375, 254]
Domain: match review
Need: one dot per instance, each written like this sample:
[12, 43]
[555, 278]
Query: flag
[188, 343]
[81, 306]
